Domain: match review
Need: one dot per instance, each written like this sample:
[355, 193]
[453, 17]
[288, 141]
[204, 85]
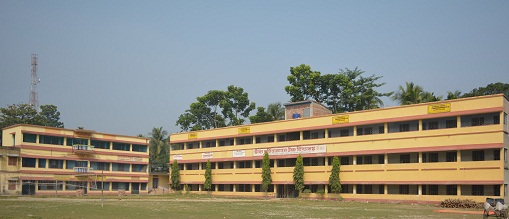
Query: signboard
[177, 157]
[310, 149]
[239, 153]
[340, 119]
[207, 155]
[192, 136]
[439, 108]
[129, 158]
[244, 130]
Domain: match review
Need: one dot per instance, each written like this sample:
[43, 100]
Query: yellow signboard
[192, 136]
[340, 119]
[244, 130]
[439, 108]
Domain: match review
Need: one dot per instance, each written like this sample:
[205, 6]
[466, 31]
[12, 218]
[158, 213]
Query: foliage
[260, 116]
[208, 176]
[26, 114]
[175, 176]
[412, 93]
[461, 203]
[493, 88]
[453, 95]
[320, 191]
[334, 180]
[159, 146]
[303, 83]
[298, 174]
[358, 92]
[275, 111]
[217, 109]
[343, 92]
[186, 187]
[266, 177]
[306, 191]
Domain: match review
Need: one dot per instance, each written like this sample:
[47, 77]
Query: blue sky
[125, 67]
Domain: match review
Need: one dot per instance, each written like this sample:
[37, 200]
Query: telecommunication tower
[34, 101]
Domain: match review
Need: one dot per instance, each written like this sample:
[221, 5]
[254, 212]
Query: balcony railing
[83, 170]
[82, 149]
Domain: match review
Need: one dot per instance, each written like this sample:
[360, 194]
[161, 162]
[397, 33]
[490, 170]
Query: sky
[125, 67]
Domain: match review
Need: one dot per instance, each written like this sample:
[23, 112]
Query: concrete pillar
[326, 188]
[458, 121]
[355, 131]
[458, 156]
[420, 156]
[458, 190]
[386, 189]
[326, 133]
[386, 128]
[420, 125]
[354, 160]
[354, 188]
[419, 190]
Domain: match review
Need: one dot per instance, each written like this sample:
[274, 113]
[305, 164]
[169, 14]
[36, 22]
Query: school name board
[310, 149]
[439, 108]
[340, 119]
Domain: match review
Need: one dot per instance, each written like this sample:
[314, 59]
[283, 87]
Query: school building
[38, 160]
[419, 153]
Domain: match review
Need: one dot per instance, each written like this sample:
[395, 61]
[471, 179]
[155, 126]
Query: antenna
[34, 100]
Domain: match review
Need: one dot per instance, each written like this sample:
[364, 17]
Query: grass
[203, 206]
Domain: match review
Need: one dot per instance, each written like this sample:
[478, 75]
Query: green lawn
[202, 206]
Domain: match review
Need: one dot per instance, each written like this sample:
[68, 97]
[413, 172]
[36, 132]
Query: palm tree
[276, 111]
[409, 95]
[158, 144]
[453, 95]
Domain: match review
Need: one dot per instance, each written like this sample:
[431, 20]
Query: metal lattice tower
[34, 100]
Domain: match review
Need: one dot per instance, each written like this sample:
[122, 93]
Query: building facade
[51, 161]
[419, 153]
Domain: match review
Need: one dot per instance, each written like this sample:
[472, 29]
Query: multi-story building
[421, 153]
[45, 160]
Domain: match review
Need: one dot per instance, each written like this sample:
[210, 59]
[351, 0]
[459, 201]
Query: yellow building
[51, 161]
[419, 153]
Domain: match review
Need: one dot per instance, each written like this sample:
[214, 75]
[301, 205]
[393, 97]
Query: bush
[460, 203]
[320, 191]
[306, 191]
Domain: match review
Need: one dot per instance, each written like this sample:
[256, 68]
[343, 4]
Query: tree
[276, 111]
[175, 176]
[409, 95]
[453, 95]
[236, 105]
[260, 116]
[493, 88]
[27, 114]
[50, 116]
[412, 94]
[298, 174]
[217, 109]
[358, 92]
[334, 183]
[266, 177]
[159, 146]
[208, 176]
[303, 83]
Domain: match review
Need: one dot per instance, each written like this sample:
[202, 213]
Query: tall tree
[217, 109]
[412, 94]
[208, 176]
[409, 94]
[493, 88]
[260, 116]
[236, 105]
[159, 146]
[26, 114]
[303, 83]
[175, 176]
[266, 177]
[334, 182]
[276, 111]
[50, 116]
[298, 174]
[453, 95]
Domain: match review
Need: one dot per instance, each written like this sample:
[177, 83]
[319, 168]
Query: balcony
[83, 170]
[82, 149]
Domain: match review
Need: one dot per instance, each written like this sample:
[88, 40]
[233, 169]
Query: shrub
[306, 191]
[320, 191]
